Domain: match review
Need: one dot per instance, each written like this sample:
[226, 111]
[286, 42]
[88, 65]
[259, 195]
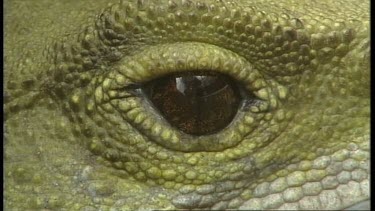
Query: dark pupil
[197, 104]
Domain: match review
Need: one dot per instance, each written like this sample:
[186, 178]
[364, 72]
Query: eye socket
[121, 89]
[197, 103]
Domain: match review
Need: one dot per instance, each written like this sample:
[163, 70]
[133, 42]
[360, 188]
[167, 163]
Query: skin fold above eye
[78, 136]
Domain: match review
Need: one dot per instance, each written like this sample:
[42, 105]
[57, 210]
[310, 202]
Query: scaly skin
[77, 139]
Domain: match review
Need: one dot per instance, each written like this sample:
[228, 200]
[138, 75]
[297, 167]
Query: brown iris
[195, 103]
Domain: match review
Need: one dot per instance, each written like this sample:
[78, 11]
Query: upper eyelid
[143, 66]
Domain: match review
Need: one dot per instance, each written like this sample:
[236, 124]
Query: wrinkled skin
[77, 139]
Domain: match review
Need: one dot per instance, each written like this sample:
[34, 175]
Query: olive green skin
[77, 139]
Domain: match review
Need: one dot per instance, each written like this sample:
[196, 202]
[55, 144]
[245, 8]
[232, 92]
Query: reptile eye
[195, 103]
[197, 98]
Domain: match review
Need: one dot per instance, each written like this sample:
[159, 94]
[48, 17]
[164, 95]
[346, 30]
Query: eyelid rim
[190, 55]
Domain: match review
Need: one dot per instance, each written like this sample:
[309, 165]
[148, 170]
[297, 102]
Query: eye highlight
[195, 103]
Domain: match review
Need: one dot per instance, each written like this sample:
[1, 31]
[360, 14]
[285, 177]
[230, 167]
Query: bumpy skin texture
[78, 139]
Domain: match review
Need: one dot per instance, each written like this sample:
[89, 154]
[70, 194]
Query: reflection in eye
[195, 103]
